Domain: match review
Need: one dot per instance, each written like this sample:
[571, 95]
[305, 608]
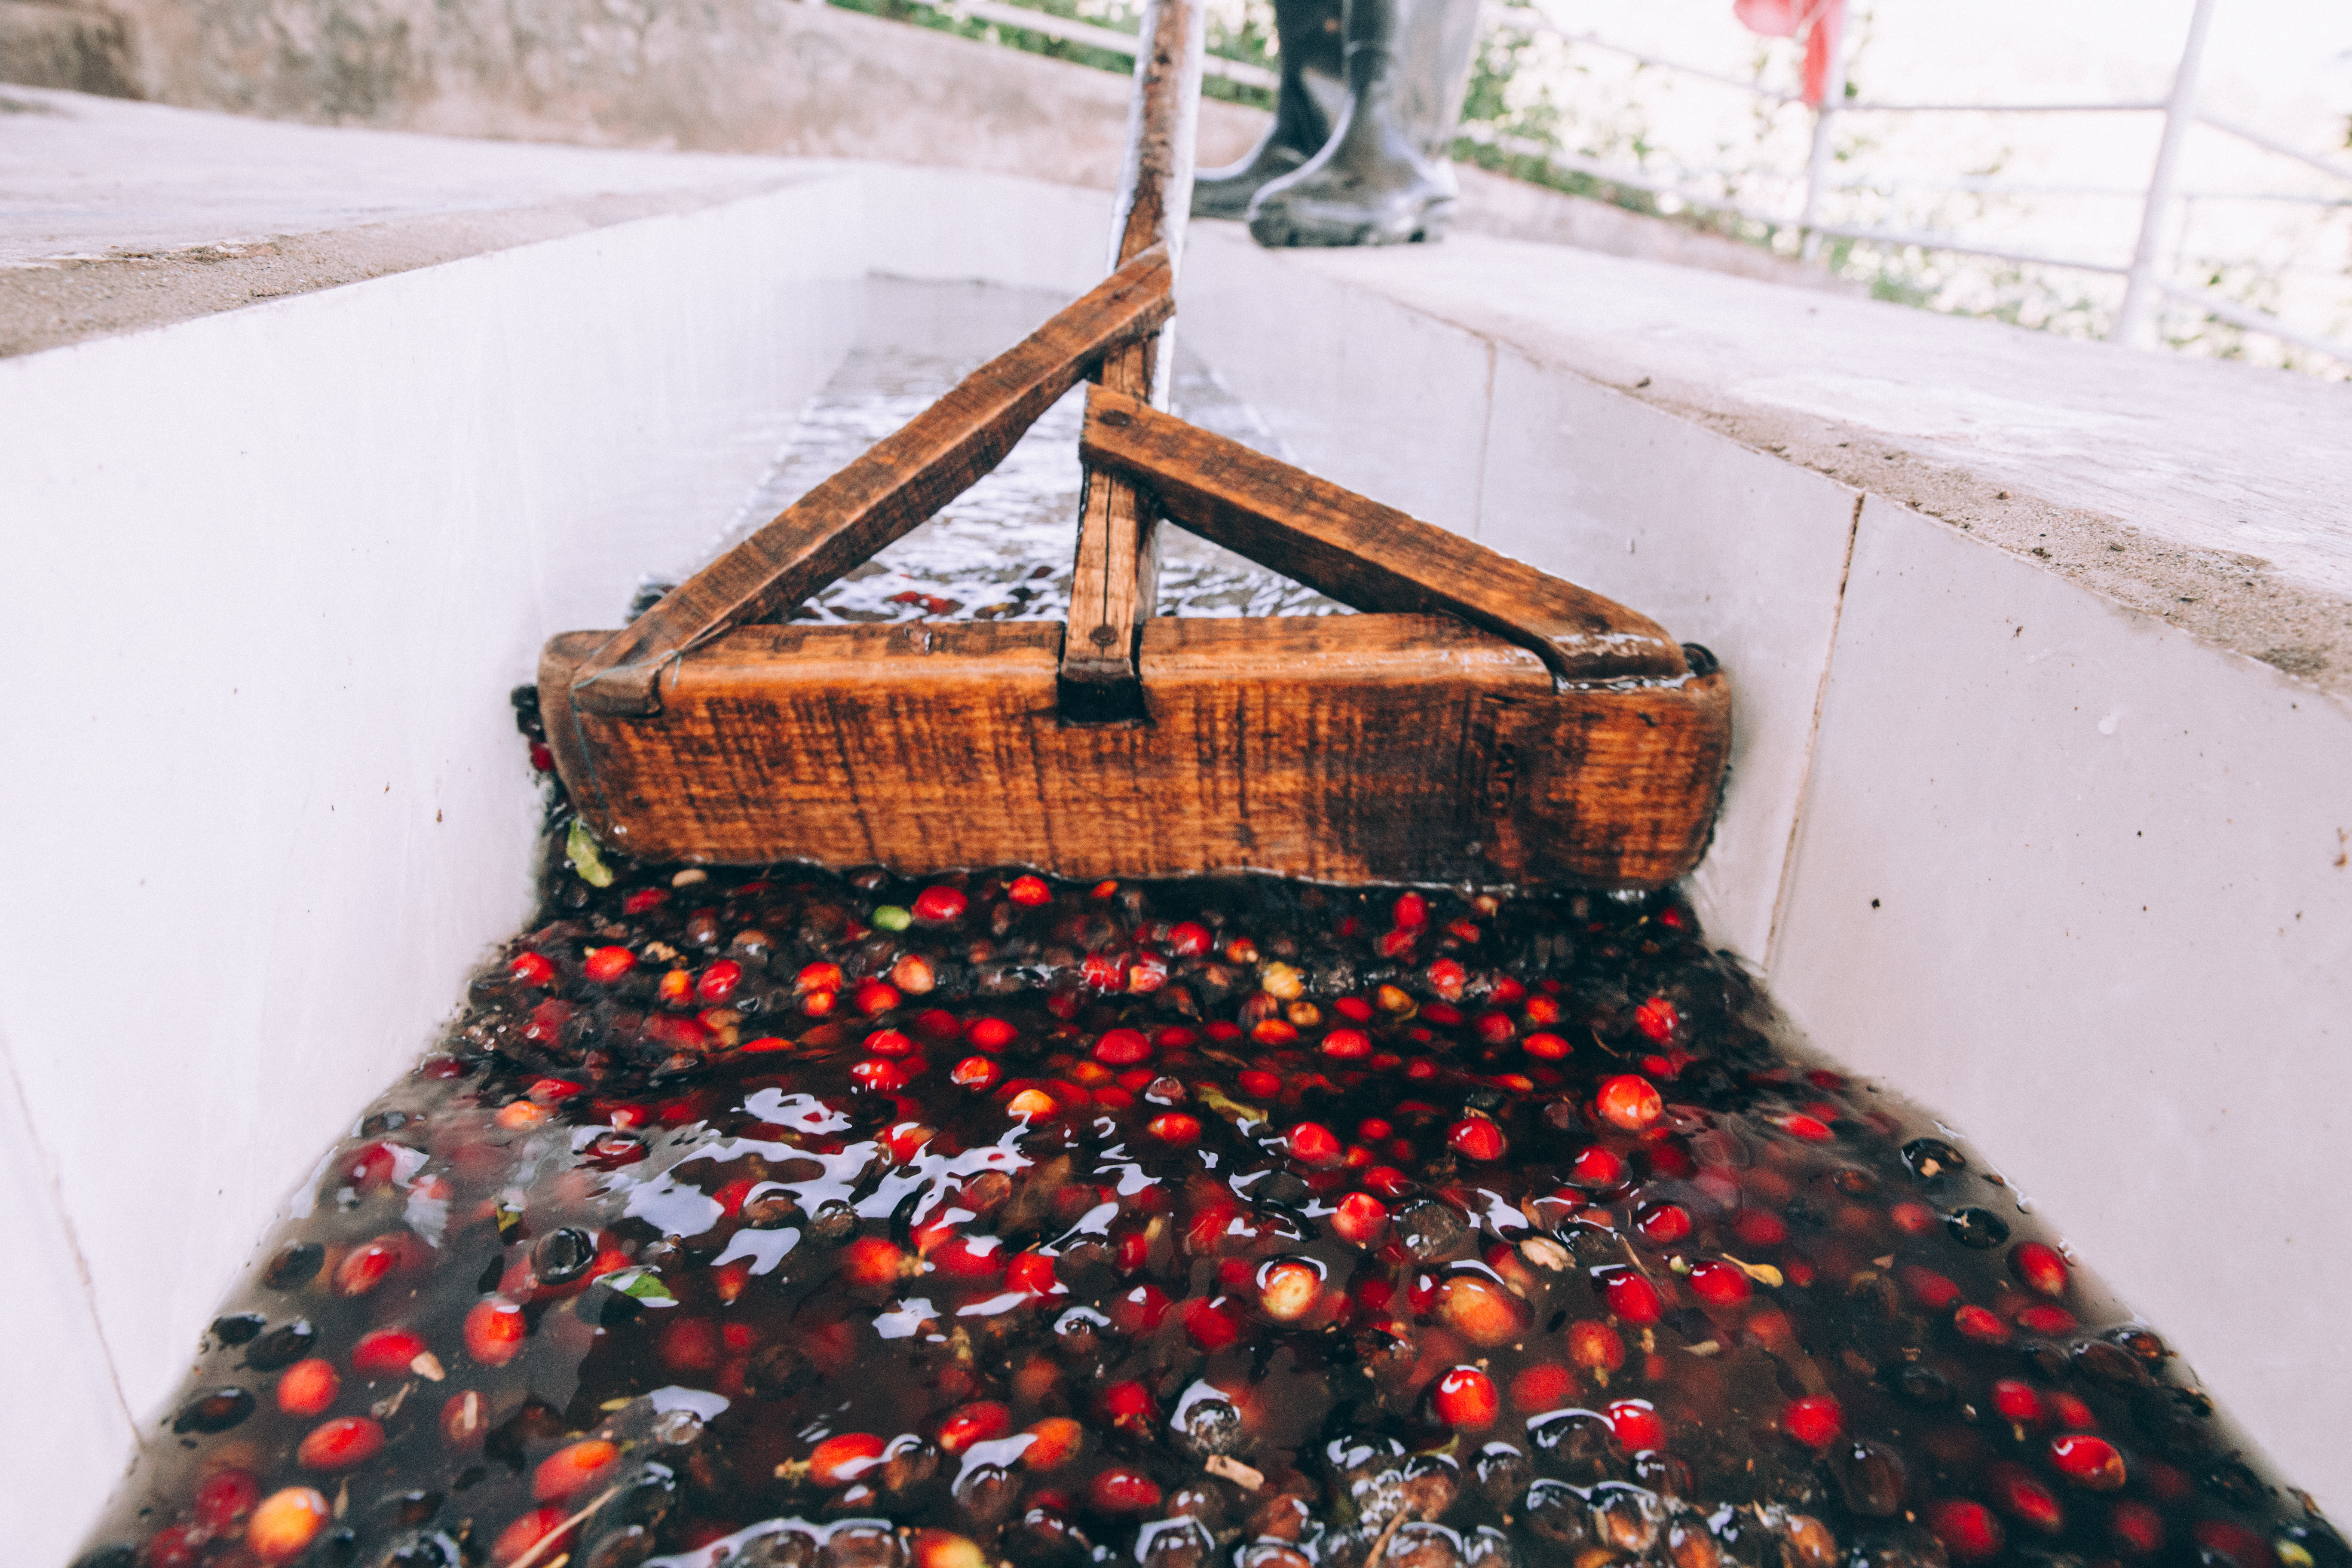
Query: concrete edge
[71, 300]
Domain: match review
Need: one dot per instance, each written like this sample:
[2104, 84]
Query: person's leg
[1313, 95]
[1381, 178]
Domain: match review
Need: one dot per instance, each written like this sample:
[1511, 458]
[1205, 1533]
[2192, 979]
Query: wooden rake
[1480, 723]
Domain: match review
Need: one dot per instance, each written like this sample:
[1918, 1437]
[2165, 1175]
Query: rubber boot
[1308, 103]
[1380, 180]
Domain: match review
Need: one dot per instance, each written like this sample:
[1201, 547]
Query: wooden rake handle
[1116, 587]
[903, 479]
[1364, 554]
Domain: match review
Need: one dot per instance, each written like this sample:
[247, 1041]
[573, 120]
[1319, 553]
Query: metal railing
[2144, 283]
[1109, 39]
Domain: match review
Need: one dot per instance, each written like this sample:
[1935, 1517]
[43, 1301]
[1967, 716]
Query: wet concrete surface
[1003, 550]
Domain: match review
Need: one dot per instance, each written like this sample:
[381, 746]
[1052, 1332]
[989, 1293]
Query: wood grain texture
[1352, 748]
[901, 480]
[1364, 554]
[1116, 587]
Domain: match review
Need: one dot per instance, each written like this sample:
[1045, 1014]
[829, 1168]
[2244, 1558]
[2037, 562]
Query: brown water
[1003, 550]
[853, 1221]
[785, 1218]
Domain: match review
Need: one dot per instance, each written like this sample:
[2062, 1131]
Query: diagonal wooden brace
[1366, 556]
[903, 479]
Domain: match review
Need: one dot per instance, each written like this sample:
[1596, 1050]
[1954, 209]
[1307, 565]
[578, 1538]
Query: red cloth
[1823, 22]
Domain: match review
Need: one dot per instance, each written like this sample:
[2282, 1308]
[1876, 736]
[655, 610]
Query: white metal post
[1817, 161]
[2135, 322]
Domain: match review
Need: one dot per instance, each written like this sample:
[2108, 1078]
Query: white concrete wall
[2113, 940]
[2077, 881]
[272, 574]
[337, 527]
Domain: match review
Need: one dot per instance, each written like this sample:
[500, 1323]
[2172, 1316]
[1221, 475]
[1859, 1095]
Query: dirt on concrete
[67, 300]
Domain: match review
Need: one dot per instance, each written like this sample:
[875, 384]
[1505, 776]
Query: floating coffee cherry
[1968, 1529]
[1719, 1284]
[1976, 1323]
[2018, 1402]
[1480, 1310]
[1815, 1420]
[1663, 1224]
[1630, 1101]
[1870, 1478]
[1175, 1129]
[1597, 1168]
[1979, 1228]
[938, 905]
[465, 1420]
[539, 1530]
[308, 1387]
[1921, 1386]
[2135, 1530]
[2017, 1494]
[239, 1328]
[1637, 1424]
[282, 1346]
[285, 1523]
[2109, 1365]
[1630, 1295]
[1930, 1158]
[1658, 1019]
[389, 1353]
[217, 1411]
[573, 1469]
[1289, 1289]
[2091, 1463]
[1360, 1219]
[1312, 1144]
[495, 1331]
[562, 1256]
[366, 1266]
[1478, 1138]
[531, 969]
[345, 1443]
[605, 965]
[292, 1266]
[1595, 1346]
[1463, 1398]
[1122, 1048]
[982, 1421]
[2038, 1268]
[1121, 1490]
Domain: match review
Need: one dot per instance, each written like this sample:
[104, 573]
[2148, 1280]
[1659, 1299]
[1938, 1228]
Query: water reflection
[1002, 551]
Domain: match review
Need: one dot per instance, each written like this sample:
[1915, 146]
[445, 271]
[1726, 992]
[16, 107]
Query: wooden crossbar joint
[1116, 587]
[900, 481]
[1366, 556]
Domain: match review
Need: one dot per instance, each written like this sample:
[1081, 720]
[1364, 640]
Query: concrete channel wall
[2073, 873]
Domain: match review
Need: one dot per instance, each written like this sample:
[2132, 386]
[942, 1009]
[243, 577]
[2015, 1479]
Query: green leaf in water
[642, 1283]
[580, 847]
[1233, 1110]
